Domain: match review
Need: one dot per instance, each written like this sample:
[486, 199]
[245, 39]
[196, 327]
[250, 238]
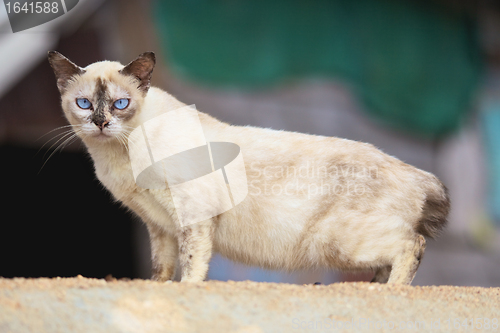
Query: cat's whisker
[126, 132]
[127, 126]
[126, 147]
[126, 139]
[64, 136]
[130, 144]
[134, 145]
[66, 142]
[122, 141]
[62, 145]
[57, 128]
[61, 135]
[54, 137]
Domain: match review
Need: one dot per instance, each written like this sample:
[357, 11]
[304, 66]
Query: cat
[313, 201]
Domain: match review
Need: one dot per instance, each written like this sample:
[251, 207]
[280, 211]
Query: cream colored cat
[313, 201]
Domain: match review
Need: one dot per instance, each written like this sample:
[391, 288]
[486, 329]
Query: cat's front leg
[164, 251]
[195, 250]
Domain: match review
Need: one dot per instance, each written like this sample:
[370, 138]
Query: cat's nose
[101, 124]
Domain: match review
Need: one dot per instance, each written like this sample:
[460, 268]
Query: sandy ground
[92, 305]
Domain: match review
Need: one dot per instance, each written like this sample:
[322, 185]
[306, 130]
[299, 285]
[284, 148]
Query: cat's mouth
[102, 135]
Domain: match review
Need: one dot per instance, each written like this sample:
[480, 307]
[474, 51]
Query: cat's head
[102, 100]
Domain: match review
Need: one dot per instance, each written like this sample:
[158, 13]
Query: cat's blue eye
[121, 103]
[83, 103]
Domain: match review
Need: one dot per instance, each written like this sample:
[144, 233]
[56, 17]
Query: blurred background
[418, 79]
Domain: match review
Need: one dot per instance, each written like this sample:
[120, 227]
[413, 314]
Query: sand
[96, 305]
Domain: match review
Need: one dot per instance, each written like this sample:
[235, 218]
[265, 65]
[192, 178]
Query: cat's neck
[109, 157]
[107, 150]
[112, 167]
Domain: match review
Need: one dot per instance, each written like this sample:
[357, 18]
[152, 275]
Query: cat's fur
[372, 216]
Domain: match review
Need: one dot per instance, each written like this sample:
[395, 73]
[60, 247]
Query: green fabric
[413, 64]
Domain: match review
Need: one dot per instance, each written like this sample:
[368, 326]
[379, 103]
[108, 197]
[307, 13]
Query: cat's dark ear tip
[150, 54]
[54, 54]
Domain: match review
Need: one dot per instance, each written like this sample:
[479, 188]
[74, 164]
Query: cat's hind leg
[406, 264]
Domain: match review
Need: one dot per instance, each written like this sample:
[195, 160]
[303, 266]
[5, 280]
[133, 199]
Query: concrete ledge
[92, 305]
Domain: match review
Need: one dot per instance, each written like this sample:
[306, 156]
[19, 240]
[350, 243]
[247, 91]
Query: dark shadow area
[60, 221]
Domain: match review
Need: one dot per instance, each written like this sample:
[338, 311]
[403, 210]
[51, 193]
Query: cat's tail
[435, 209]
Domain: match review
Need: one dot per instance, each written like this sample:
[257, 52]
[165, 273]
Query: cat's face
[103, 99]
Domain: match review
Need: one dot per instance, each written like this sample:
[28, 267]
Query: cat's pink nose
[101, 125]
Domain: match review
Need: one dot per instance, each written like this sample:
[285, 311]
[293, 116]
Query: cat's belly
[258, 250]
[270, 241]
[293, 239]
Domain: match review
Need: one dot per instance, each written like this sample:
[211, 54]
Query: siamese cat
[313, 201]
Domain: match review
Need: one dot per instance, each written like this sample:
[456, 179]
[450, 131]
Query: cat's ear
[64, 69]
[142, 69]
